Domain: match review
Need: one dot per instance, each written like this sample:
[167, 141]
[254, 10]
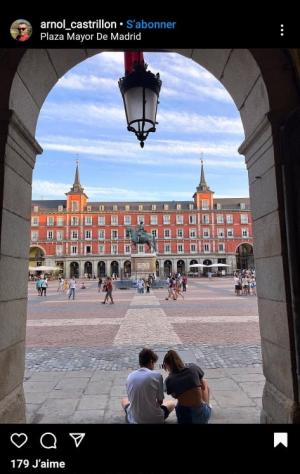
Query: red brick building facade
[85, 237]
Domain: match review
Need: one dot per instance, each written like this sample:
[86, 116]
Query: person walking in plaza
[99, 284]
[184, 282]
[108, 287]
[145, 402]
[185, 382]
[38, 286]
[72, 288]
[44, 285]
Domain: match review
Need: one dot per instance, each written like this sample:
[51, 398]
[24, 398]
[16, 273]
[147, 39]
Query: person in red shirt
[23, 32]
[108, 288]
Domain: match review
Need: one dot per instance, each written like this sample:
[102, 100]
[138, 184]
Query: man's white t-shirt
[144, 388]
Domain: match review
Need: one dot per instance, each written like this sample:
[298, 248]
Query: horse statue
[140, 236]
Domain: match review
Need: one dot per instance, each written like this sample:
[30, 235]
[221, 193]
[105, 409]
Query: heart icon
[19, 439]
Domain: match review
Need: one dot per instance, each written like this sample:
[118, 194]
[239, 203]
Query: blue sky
[83, 117]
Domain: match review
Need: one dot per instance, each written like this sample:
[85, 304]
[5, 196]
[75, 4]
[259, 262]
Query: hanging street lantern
[140, 92]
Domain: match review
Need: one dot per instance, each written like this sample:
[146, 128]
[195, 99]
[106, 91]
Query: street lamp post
[140, 92]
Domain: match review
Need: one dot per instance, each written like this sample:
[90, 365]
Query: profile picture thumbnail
[21, 30]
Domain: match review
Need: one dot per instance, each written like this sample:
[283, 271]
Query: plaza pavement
[80, 352]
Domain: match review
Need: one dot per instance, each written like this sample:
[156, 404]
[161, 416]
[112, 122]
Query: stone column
[17, 162]
[273, 288]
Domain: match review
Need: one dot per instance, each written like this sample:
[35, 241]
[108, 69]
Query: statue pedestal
[143, 265]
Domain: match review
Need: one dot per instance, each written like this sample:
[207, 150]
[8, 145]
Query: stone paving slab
[99, 402]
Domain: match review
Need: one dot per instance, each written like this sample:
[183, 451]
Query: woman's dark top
[185, 379]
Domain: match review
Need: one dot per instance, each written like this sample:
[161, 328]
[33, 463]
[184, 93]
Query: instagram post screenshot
[149, 243]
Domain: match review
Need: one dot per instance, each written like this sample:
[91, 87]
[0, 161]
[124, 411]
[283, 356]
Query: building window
[244, 218]
[101, 220]
[74, 235]
[140, 207]
[229, 233]
[178, 207]
[191, 207]
[179, 219]
[221, 248]
[153, 220]
[179, 233]
[88, 220]
[88, 235]
[34, 235]
[220, 219]
[114, 249]
[127, 220]
[206, 248]
[88, 249]
[50, 235]
[114, 234]
[74, 220]
[59, 249]
[167, 248]
[245, 233]
[127, 207]
[154, 232]
[221, 234]
[193, 233]
[193, 248]
[60, 221]
[167, 234]
[114, 220]
[101, 207]
[229, 218]
[140, 220]
[115, 207]
[141, 248]
[35, 208]
[59, 235]
[242, 205]
[88, 208]
[126, 234]
[50, 221]
[127, 249]
[73, 249]
[60, 208]
[166, 207]
[166, 219]
[101, 234]
[180, 248]
[74, 206]
[206, 233]
[205, 204]
[192, 219]
[101, 248]
[219, 206]
[153, 207]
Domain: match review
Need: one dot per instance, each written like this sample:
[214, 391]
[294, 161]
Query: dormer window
[60, 208]
[35, 208]
[115, 207]
[89, 208]
[242, 205]
[166, 207]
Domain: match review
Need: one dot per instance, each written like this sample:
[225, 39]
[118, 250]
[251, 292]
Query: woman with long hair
[186, 383]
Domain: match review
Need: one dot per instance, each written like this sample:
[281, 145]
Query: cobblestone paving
[70, 358]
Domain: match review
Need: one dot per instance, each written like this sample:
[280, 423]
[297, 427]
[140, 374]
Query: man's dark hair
[146, 356]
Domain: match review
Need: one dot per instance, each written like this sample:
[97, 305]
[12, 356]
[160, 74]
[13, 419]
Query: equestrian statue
[140, 236]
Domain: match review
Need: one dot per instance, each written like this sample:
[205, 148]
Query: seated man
[145, 393]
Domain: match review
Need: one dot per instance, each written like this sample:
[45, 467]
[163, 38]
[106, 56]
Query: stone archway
[244, 257]
[255, 79]
[36, 256]
[101, 269]
[74, 269]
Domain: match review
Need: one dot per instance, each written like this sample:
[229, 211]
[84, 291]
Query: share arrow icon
[78, 437]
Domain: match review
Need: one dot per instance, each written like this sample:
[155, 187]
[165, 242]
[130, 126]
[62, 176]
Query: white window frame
[74, 220]
[50, 235]
[205, 219]
[74, 250]
[228, 233]
[114, 220]
[180, 248]
[88, 235]
[74, 232]
[101, 220]
[50, 221]
[229, 218]
[206, 248]
[59, 235]
[101, 231]
[220, 219]
[127, 249]
[140, 219]
[167, 248]
[166, 219]
[193, 233]
[101, 249]
[221, 248]
[114, 234]
[88, 220]
[179, 219]
[59, 250]
[74, 206]
[193, 248]
[205, 204]
[153, 219]
[127, 220]
[114, 249]
[34, 235]
[221, 233]
[244, 219]
[179, 231]
[167, 231]
[206, 233]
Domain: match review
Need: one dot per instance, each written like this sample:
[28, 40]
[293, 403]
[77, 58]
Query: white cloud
[86, 82]
[43, 189]
[157, 153]
[169, 120]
